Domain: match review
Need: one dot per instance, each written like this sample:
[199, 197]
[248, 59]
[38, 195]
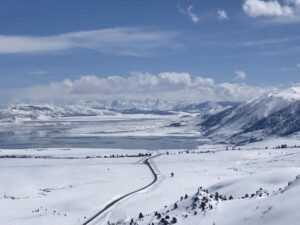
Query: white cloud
[269, 42]
[192, 15]
[121, 41]
[257, 8]
[240, 75]
[140, 86]
[39, 72]
[274, 10]
[188, 12]
[298, 65]
[222, 15]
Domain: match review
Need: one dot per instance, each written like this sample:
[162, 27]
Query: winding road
[109, 205]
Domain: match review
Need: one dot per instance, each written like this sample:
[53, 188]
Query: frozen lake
[163, 142]
[126, 133]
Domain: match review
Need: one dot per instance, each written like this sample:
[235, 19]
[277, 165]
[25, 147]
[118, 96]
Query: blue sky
[250, 41]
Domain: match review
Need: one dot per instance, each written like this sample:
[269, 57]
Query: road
[109, 205]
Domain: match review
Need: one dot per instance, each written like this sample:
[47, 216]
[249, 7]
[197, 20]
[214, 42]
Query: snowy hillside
[282, 122]
[256, 119]
[203, 207]
[257, 184]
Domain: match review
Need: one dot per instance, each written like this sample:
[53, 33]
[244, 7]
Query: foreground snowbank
[63, 190]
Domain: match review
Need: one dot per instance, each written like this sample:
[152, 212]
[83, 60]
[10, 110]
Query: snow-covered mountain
[209, 106]
[25, 112]
[19, 112]
[273, 114]
[282, 122]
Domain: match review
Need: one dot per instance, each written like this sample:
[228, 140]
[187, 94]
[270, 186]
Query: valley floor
[68, 186]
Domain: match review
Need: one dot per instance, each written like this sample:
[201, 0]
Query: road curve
[109, 205]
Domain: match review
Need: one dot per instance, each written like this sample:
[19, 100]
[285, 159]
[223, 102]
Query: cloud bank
[169, 86]
[120, 41]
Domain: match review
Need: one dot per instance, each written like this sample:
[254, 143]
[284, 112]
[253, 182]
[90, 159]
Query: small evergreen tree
[175, 205]
[141, 215]
[202, 206]
[174, 220]
[131, 222]
[216, 196]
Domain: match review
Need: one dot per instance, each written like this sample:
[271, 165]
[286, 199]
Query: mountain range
[274, 114]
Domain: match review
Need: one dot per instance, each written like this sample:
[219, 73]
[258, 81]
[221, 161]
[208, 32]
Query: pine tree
[175, 205]
[141, 215]
[174, 220]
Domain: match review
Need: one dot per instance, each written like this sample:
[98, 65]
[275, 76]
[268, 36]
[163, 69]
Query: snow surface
[67, 186]
[39, 191]
[232, 172]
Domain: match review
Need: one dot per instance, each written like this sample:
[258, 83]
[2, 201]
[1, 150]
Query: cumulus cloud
[121, 41]
[276, 11]
[222, 15]
[240, 75]
[257, 8]
[170, 86]
[188, 12]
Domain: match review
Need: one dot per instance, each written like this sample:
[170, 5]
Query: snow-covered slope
[241, 122]
[203, 208]
[282, 122]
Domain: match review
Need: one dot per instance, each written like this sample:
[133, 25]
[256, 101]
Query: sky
[188, 49]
